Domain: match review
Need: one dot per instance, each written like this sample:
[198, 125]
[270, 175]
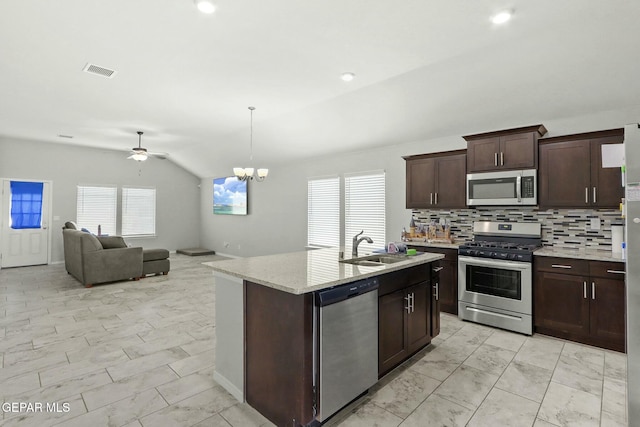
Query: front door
[25, 232]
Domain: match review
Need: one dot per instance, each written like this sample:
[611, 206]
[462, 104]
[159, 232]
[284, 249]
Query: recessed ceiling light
[205, 6]
[502, 17]
[347, 77]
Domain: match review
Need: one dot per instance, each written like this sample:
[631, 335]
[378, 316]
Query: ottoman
[155, 261]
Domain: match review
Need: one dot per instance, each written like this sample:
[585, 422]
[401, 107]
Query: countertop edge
[423, 258]
[605, 256]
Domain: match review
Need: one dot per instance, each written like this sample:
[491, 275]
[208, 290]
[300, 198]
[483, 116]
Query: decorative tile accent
[561, 228]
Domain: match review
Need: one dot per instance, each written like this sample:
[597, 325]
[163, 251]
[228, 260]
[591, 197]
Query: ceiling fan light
[502, 17]
[205, 6]
[139, 157]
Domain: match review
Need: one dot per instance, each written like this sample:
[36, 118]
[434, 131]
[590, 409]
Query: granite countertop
[588, 254]
[309, 271]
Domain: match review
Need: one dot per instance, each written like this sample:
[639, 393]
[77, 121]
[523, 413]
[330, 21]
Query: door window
[26, 204]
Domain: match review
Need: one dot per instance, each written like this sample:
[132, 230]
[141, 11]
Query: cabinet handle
[586, 195]
[594, 194]
[501, 158]
[436, 198]
[584, 290]
[437, 289]
[413, 302]
[495, 159]
[408, 299]
[593, 290]
[431, 198]
[560, 266]
[439, 269]
[615, 271]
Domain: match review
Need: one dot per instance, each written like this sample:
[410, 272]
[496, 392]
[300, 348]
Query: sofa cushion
[154, 254]
[112, 242]
[70, 225]
[90, 242]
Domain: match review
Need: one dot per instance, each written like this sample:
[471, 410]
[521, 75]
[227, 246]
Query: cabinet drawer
[394, 281]
[562, 265]
[609, 270]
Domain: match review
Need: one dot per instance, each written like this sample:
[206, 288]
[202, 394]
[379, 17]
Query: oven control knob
[513, 256]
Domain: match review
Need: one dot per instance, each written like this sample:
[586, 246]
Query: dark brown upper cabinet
[571, 173]
[504, 150]
[436, 180]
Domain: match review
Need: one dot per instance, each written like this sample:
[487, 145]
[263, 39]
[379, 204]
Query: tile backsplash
[561, 228]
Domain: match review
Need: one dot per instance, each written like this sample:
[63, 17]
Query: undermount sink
[376, 260]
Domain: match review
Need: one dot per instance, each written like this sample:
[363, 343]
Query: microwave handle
[519, 188]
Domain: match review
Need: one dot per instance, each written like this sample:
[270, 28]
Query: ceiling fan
[140, 154]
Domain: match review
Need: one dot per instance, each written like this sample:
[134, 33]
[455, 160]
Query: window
[138, 211]
[364, 208]
[97, 208]
[26, 204]
[323, 226]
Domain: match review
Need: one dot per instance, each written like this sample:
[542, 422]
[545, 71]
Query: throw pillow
[112, 242]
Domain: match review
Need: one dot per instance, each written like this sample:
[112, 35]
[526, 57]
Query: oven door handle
[513, 265]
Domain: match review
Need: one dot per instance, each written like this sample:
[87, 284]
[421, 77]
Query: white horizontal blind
[97, 206]
[138, 211]
[323, 213]
[365, 209]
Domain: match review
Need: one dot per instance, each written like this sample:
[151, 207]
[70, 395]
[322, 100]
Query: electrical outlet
[595, 224]
[226, 244]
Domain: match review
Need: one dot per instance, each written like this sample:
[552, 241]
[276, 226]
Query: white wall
[177, 192]
[277, 220]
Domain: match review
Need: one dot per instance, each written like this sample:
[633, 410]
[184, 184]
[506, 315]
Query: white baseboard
[228, 385]
[228, 255]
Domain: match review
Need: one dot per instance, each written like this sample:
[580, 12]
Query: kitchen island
[267, 323]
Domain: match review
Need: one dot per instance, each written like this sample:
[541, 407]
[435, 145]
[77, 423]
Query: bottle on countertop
[403, 236]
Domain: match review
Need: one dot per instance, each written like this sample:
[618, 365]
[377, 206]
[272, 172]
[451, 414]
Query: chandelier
[246, 174]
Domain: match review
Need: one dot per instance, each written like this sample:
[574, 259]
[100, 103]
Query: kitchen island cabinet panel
[419, 317]
[279, 354]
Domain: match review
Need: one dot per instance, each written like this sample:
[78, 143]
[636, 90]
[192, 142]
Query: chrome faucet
[356, 242]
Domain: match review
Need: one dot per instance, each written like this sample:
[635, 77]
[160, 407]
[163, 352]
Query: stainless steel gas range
[495, 275]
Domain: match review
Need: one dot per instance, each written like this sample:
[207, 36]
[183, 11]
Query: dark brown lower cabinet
[407, 309]
[448, 283]
[580, 300]
[279, 354]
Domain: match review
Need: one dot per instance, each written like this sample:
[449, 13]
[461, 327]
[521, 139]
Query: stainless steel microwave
[504, 188]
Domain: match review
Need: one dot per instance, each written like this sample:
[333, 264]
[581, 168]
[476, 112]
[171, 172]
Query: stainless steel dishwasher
[348, 344]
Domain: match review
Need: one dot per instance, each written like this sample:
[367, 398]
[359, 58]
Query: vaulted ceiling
[424, 69]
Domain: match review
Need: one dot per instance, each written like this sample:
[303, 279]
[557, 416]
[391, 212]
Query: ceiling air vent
[98, 70]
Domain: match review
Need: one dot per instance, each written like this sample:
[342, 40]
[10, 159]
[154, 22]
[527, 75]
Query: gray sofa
[92, 259]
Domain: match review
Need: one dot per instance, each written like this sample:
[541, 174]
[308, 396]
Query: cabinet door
[450, 185]
[608, 312]
[392, 345]
[518, 151]
[435, 306]
[420, 183]
[561, 303]
[448, 289]
[419, 316]
[483, 155]
[606, 183]
[564, 174]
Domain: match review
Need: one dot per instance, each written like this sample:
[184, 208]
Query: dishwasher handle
[343, 292]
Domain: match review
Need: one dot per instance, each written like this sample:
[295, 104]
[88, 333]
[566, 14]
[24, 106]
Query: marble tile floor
[142, 354]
